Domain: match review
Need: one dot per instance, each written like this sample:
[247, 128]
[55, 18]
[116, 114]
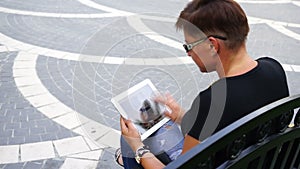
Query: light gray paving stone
[71, 163]
[70, 146]
[112, 139]
[92, 155]
[70, 120]
[9, 154]
[35, 151]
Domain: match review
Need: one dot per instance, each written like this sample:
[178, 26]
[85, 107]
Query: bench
[266, 138]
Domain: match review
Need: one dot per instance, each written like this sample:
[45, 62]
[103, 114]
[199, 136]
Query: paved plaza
[61, 62]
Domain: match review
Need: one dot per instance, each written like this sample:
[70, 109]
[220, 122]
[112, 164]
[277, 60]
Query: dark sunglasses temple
[218, 37]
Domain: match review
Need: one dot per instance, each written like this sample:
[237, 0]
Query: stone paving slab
[70, 146]
[71, 163]
[42, 150]
[9, 154]
[92, 155]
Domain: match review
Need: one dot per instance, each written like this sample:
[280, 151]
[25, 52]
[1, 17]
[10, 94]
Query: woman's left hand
[130, 134]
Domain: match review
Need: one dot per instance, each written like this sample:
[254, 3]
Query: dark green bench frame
[262, 139]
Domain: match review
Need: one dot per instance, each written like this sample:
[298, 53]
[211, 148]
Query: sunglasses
[188, 47]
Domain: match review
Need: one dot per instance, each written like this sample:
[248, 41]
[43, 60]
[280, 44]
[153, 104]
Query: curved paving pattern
[58, 73]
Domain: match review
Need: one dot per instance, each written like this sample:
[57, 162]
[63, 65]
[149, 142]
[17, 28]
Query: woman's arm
[189, 143]
[148, 160]
[131, 135]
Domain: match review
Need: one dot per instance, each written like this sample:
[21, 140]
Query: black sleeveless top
[229, 99]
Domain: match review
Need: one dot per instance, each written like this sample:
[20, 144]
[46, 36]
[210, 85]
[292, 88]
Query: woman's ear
[214, 44]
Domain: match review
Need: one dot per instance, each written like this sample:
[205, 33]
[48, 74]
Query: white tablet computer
[137, 104]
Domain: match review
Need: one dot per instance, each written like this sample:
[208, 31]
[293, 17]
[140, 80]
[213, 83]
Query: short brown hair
[225, 17]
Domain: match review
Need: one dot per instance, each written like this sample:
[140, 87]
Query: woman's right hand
[174, 111]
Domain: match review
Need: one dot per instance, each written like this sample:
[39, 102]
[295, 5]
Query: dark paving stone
[53, 163]
[107, 160]
[64, 134]
[4, 140]
[37, 131]
[13, 166]
[48, 136]
[6, 133]
[21, 132]
[33, 138]
[16, 140]
[33, 165]
[11, 126]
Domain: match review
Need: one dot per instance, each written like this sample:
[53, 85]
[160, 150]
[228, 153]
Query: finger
[168, 95]
[124, 128]
[170, 100]
[160, 99]
[168, 114]
[129, 124]
[167, 110]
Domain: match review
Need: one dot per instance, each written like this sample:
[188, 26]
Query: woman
[245, 84]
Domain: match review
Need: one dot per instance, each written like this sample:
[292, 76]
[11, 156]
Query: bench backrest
[262, 139]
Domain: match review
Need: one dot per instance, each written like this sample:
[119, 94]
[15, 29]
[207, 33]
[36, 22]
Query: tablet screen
[137, 104]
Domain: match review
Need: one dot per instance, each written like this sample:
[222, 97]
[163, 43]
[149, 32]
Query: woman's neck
[235, 63]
